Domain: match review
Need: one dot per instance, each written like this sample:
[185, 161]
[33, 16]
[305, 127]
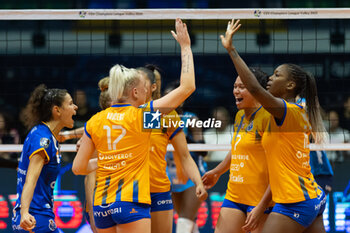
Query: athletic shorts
[119, 212]
[44, 223]
[304, 212]
[161, 201]
[242, 207]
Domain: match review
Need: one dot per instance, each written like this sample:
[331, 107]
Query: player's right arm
[211, 177]
[82, 164]
[187, 80]
[36, 164]
[70, 134]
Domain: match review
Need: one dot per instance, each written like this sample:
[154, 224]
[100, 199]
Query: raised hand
[181, 35]
[232, 28]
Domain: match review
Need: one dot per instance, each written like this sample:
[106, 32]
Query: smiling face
[67, 110]
[244, 100]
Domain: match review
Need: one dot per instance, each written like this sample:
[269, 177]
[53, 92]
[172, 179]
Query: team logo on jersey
[52, 225]
[133, 211]
[151, 120]
[44, 142]
[250, 126]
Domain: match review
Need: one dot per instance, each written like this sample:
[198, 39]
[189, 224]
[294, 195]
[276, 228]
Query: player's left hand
[201, 192]
[232, 28]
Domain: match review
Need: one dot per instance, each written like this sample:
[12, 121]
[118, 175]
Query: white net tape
[191, 147]
[154, 14]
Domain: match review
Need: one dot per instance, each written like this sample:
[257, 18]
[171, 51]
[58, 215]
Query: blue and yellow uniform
[159, 181]
[293, 187]
[122, 191]
[248, 170]
[40, 139]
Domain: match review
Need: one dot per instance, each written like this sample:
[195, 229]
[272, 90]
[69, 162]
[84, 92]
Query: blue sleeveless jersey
[40, 138]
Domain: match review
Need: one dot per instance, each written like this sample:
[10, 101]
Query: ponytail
[40, 104]
[121, 81]
[313, 110]
[306, 88]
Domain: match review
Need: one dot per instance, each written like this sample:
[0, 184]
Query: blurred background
[75, 55]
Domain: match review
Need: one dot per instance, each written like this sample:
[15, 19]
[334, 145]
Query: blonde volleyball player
[299, 200]
[161, 201]
[122, 195]
[245, 204]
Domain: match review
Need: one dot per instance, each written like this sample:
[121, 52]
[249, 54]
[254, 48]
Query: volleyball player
[245, 202]
[299, 200]
[122, 196]
[47, 112]
[90, 179]
[183, 190]
[161, 202]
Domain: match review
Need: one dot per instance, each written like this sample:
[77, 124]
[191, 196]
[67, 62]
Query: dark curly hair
[40, 104]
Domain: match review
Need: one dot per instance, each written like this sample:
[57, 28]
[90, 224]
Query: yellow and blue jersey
[286, 144]
[40, 139]
[122, 147]
[248, 170]
[159, 180]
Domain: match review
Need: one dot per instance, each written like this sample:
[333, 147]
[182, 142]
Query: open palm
[232, 28]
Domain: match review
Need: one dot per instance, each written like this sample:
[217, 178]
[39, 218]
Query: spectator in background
[8, 135]
[336, 135]
[345, 117]
[84, 111]
[222, 135]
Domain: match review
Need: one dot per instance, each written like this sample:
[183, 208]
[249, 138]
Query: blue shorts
[304, 212]
[119, 212]
[242, 207]
[161, 201]
[44, 223]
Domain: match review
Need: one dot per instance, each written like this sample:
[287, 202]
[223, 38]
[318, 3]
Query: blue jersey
[320, 164]
[40, 138]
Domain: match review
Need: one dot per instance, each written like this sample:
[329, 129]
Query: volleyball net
[74, 49]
